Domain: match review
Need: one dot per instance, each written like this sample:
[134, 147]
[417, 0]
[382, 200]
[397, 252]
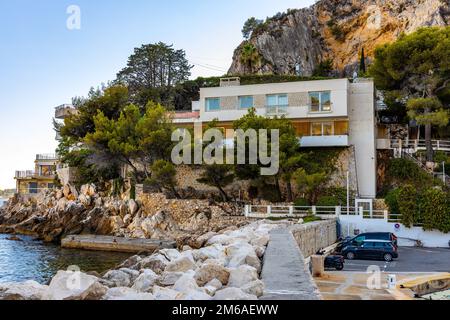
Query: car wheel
[387, 257]
[350, 256]
[340, 267]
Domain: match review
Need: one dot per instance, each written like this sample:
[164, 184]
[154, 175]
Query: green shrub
[408, 205]
[435, 208]
[301, 202]
[391, 200]
[327, 201]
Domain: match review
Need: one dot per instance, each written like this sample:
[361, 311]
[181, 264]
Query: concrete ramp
[284, 273]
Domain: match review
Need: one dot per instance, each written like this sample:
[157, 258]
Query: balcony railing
[324, 141]
[64, 111]
[276, 110]
[29, 174]
[47, 156]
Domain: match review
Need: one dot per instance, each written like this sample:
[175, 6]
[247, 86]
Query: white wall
[430, 239]
[338, 88]
[363, 135]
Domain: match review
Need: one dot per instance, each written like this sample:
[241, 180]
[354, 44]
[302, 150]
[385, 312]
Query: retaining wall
[312, 237]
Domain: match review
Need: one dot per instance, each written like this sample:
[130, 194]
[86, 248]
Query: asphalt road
[409, 260]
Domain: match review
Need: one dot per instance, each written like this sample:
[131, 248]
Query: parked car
[387, 236]
[371, 249]
[333, 261]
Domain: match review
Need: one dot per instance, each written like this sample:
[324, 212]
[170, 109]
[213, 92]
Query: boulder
[118, 278]
[161, 293]
[156, 262]
[186, 283]
[131, 262]
[66, 191]
[132, 207]
[216, 251]
[200, 241]
[85, 200]
[214, 283]
[254, 288]
[28, 290]
[124, 293]
[169, 278]
[134, 274]
[260, 241]
[259, 251]
[197, 295]
[68, 285]
[222, 239]
[145, 281]
[211, 271]
[242, 275]
[242, 253]
[170, 254]
[61, 205]
[182, 264]
[233, 294]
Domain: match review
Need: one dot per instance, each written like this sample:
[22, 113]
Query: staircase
[409, 156]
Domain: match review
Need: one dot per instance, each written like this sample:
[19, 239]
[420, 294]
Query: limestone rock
[145, 281]
[161, 293]
[255, 288]
[200, 241]
[156, 262]
[242, 275]
[124, 293]
[28, 290]
[132, 207]
[209, 272]
[233, 294]
[169, 278]
[118, 278]
[241, 254]
[67, 285]
[181, 264]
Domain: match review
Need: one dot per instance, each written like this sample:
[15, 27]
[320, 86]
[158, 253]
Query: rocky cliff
[334, 29]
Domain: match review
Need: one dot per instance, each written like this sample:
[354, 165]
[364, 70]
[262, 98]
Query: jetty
[115, 244]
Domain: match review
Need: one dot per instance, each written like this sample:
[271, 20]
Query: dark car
[370, 249]
[387, 236]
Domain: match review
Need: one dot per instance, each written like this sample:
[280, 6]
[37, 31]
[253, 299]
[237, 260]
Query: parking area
[410, 260]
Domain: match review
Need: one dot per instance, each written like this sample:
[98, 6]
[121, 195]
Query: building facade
[324, 113]
[32, 182]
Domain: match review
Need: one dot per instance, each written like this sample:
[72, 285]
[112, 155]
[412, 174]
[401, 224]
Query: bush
[391, 200]
[435, 208]
[328, 201]
[408, 205]
[301, 202]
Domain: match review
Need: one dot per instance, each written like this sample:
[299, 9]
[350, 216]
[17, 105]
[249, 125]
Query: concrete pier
[116, 244]
[284, 273]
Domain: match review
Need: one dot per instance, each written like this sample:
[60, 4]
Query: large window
[246, 102]
[212, 104]
[320, 101]
[322, 129]
[274, 100]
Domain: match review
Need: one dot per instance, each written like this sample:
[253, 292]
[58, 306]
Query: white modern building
[325, 113]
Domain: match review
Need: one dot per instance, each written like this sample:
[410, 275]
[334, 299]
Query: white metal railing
[46, 156]
[415, 145]
[25, 174]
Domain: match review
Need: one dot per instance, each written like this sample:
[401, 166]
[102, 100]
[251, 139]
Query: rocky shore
[222, 265]
[68, 211]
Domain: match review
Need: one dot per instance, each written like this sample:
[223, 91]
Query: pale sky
[44, 64]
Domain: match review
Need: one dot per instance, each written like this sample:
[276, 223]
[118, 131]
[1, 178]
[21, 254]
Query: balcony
[30, 174]
[324, 141]
[185, 116]
[277, 110]
[46, 156]
[63, 111]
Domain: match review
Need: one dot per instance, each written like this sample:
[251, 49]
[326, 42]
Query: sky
[43, 63]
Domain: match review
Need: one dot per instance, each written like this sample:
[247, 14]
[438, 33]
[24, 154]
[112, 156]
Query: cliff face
[336, 30]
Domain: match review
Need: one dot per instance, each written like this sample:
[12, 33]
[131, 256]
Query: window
[33, 188]
[322, 129]
[212, 104]
[277, 100]
[320, 101]
[246, 102]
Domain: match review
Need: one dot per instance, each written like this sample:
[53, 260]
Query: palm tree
[250, 56]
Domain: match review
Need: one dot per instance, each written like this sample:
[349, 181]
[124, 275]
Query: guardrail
[443, 145]
[47, 156]
[277, 110]
[284, 211]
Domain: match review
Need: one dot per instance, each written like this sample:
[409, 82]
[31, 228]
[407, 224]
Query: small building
[32, 182]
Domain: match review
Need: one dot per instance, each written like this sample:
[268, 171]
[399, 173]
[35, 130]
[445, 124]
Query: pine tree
[362, 64]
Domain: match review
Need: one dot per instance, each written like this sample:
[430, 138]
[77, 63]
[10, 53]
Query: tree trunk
[428, 143]
[223, 194]
[289, 191]
[277, 184]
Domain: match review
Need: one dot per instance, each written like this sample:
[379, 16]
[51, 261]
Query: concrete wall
[431, 239]
[297, 96]
[363, 135]
[312, 237]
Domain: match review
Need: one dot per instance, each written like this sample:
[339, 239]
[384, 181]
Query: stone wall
[312, 237]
